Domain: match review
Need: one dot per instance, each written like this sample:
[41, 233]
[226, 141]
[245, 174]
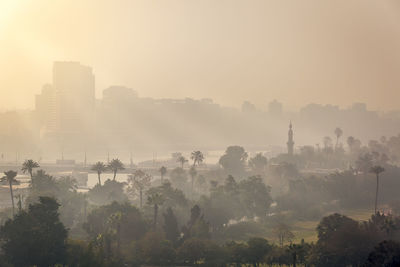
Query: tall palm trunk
[192, 185]
[98, 175]
[141, 197]
[376, 193]
[19, 203]
[162, 178]
[155, 215]
[115, 174]
[12, 198]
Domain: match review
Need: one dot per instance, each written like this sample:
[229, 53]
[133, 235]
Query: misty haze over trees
[331, 202]
[119, 179]
[123, 121]
[247, 208]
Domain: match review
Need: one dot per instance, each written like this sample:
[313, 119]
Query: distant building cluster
[65, 105]
[68, 117]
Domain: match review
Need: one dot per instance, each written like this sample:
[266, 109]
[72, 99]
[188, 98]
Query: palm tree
[155, 199]
[99, 167]
[163, 171]
[10, 178]
[139, 181]
[20, 198]
[377, 170]
[182, 160]
[197, 157]
[192, 173]
[115, 165]
[28, 166]
[338, 133]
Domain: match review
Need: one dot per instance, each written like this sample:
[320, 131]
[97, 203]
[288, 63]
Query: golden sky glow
[299, 52]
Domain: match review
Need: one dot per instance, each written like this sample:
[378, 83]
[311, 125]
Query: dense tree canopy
[36, 237]
[234, 160]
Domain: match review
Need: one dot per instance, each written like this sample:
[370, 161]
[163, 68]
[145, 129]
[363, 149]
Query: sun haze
[199, 133]
[298, 52]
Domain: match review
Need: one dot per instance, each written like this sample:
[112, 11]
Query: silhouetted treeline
[243, 211]
[119, 235]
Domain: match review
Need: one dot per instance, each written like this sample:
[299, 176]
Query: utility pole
[131, 160]
[84, 163]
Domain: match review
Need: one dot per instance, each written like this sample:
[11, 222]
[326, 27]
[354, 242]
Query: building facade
[74, 85]
[67, 105]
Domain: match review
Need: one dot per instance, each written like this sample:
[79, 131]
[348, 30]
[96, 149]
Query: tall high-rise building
[45, 107]
[290, 142]
[74, 85]
[275, 108]
[67, 105]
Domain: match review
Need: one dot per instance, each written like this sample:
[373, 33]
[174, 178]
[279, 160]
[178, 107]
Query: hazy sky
[337, 51]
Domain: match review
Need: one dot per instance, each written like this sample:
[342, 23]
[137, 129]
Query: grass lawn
[307, 229]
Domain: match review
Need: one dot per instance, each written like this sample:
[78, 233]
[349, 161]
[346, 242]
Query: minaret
[290, 143]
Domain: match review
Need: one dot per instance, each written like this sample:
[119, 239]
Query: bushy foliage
[153, 248]
[35, 237]
[132, 225]
[234, 160]
[107, 193]
[232, 201]
[64, 189]
[343, 241]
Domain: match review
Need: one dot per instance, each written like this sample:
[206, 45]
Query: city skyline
[266, 105]
[299, 53]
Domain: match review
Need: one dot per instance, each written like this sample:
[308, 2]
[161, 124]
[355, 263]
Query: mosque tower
[290, 143]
